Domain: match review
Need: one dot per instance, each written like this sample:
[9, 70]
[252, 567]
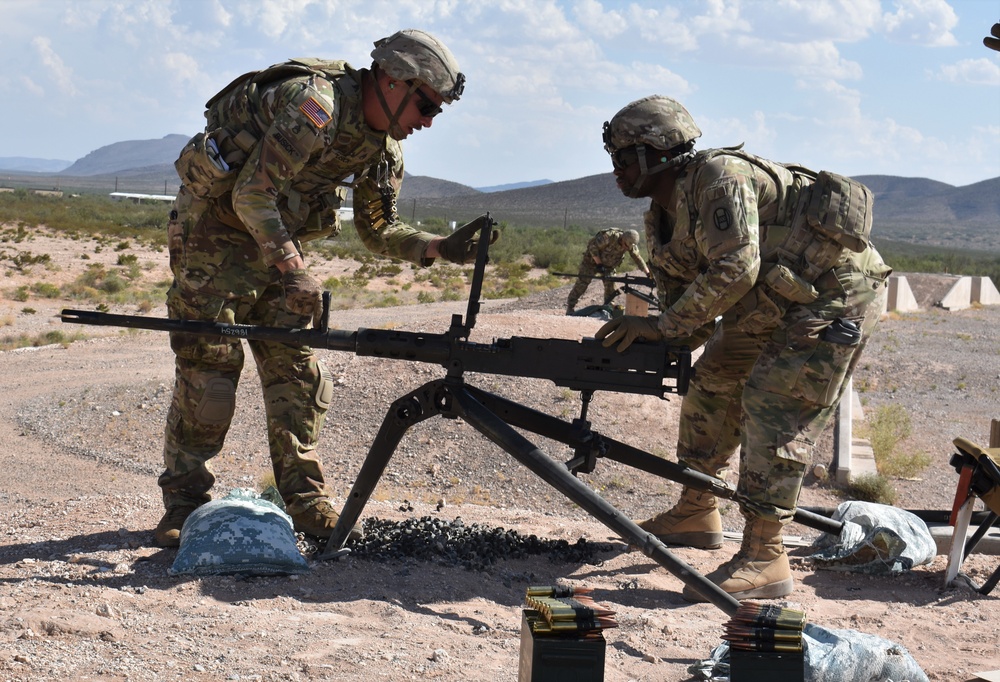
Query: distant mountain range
[912, 210]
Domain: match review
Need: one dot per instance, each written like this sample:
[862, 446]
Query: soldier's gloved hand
[627, 329]
[994, 42]
[303, 294]
[460, 246]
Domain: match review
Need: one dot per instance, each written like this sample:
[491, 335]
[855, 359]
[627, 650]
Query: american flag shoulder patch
[315, 112]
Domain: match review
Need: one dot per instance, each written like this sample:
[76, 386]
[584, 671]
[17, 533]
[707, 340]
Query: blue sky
[893, 87]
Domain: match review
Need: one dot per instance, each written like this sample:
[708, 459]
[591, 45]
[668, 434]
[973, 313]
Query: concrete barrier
[959, 297]
[984, 292]
[900, 298]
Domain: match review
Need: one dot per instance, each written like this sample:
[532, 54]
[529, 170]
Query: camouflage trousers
[588, 270]
[771, 393]
[219, 276]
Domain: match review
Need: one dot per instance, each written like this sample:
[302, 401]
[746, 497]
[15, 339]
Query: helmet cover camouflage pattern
[412, 54]
[631, 237]
[656, 121]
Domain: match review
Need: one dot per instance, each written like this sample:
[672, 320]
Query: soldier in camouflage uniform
[605, 251]
[782, 255]
[281, 147]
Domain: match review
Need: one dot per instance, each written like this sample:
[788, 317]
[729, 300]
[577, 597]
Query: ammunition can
[760, 666]
[559, 657]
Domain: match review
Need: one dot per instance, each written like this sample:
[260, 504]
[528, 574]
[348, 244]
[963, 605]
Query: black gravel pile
[474, 546]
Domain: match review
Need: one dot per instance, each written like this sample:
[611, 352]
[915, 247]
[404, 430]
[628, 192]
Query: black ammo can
[559, 658]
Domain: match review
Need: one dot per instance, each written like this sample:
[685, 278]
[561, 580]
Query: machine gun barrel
[580, 365]
[624, 279]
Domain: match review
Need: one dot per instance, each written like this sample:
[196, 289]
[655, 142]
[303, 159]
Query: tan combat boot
[759, 570]
[693, 522]
[168, 530]
[320, 519]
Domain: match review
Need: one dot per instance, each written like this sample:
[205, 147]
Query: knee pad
[218, 402]
[324, 388]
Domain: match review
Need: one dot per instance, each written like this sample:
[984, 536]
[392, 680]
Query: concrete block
[959, 297]
[942, 534]
[862, 459]
[900, 298]
[984, 292]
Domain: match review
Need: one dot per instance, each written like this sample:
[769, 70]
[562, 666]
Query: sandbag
[241, 534]
[876, 539]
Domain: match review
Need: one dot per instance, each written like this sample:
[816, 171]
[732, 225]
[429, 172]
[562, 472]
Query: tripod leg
[559, 430]
[556, 475]
[408, 410]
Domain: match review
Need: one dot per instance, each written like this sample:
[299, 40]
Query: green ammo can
[559, 657]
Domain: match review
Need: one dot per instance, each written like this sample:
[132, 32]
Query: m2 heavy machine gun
[580, 365]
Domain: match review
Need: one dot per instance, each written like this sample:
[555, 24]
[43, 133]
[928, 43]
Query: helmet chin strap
[664, 164]
[394, 129]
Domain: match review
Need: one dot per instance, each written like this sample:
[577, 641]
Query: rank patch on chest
[316, 113]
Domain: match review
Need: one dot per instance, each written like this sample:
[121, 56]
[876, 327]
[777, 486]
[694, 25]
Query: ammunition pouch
[757, 313]
[790, 286]
[209, 163]
[841, 210]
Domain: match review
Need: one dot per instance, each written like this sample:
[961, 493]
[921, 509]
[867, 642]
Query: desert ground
[84, 594]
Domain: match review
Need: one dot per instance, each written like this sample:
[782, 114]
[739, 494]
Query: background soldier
[268, 173]
[799, 289]
[605, 251]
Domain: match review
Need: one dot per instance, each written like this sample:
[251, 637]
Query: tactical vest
[210, 162]
[818, 216]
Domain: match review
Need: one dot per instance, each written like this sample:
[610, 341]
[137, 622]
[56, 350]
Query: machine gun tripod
[585, 366]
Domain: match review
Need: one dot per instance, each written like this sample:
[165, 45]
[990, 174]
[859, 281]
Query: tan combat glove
[303, 294]
[627, 329]
[460, 246]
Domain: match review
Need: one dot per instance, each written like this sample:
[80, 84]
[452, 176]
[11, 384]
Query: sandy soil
[84, 595]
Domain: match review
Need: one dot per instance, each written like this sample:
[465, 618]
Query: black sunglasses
[425, 105]
[624, 157]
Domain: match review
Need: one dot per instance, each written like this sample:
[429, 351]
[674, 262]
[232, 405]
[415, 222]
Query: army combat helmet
[414, 55]
[417, 58]
[631, 237]
[656, 122]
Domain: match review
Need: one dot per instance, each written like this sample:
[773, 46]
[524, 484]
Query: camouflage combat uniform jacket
[737, 241]
[269, 172]
[607, 248]
[291, 139]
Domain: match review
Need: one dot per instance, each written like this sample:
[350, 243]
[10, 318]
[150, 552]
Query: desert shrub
[885, 429]
[872, 488]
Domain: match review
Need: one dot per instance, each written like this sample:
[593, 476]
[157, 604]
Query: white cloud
[805, 59]
[593, 18]
[181, 69]
[31, 86]
[971, 71]
[815, 20]
[921, 22]
[56, 67]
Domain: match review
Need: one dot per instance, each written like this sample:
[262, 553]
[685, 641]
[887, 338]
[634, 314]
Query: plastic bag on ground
[242, 534]
[876, 539]
[833, 656]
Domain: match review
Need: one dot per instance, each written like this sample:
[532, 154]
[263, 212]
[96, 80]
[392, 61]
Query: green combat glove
[627, 329]
[302, 293]
[460, 246]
